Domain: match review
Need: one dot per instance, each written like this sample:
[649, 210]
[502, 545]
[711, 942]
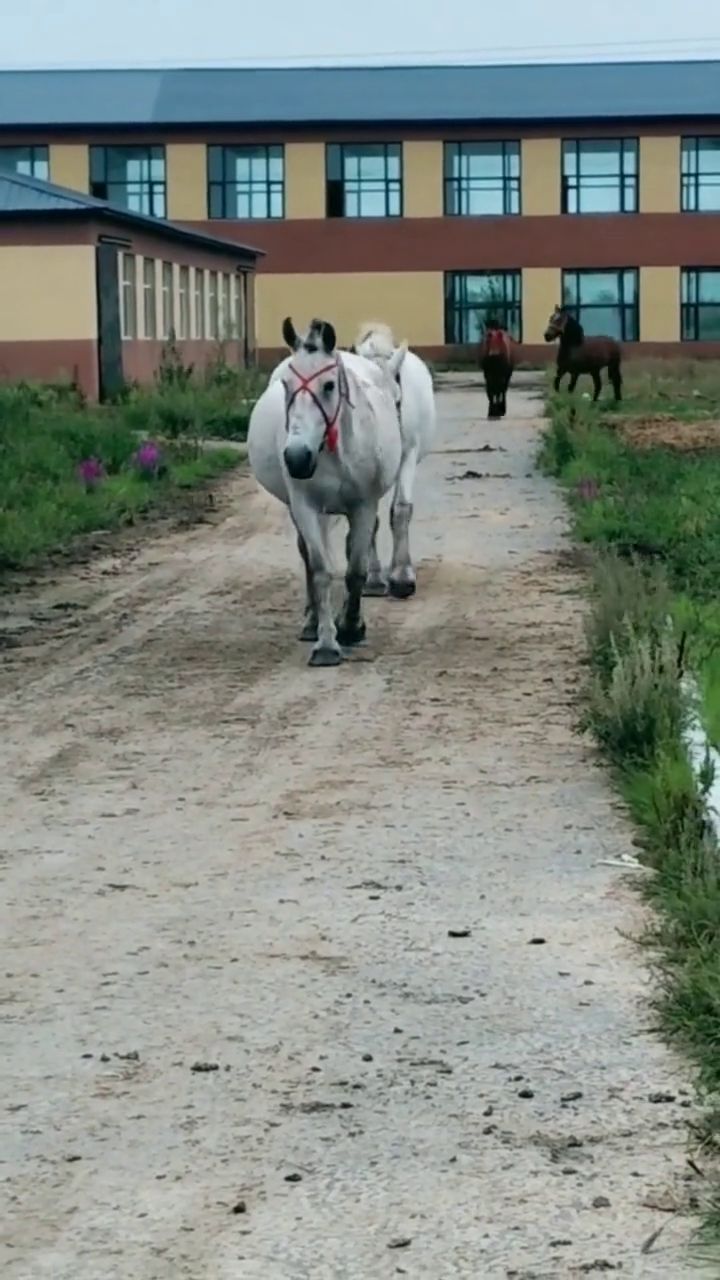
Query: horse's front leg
[363, 523]
[310, 625]
[326, 650]
[402, 574]
[375, 584]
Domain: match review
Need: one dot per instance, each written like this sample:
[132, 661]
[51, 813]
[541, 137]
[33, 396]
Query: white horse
[324, 438]
[418, 422]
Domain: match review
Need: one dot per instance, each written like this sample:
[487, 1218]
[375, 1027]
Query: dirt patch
[317, 974]
[667, 433]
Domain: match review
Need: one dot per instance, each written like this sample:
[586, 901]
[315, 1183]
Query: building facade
[427, 197]
[92, 293]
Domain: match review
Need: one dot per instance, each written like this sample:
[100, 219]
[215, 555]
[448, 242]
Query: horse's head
[495, 340]
[316, 388]
[557, 324]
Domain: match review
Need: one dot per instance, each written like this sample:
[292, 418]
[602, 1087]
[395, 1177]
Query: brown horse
[497, 359]
[578, 354]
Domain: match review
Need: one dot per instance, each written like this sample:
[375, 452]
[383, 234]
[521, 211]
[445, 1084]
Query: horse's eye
[328, 387]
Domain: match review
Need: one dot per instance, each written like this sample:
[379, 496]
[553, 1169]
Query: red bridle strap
[331, 423]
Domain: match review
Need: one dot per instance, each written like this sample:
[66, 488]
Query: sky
[72, 33]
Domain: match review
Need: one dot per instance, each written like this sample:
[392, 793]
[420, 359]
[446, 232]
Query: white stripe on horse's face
[313, 403]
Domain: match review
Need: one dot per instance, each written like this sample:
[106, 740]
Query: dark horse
[497, 359]
[578, 354]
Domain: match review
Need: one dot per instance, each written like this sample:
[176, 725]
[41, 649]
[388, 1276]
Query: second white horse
[418, 422]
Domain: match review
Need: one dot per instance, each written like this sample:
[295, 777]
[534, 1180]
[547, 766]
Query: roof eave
[246, 254]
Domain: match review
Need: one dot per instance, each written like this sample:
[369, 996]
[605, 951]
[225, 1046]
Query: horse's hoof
[350, 636]
[325, 657]
[401, 590]
[309, 633]
[375, 587]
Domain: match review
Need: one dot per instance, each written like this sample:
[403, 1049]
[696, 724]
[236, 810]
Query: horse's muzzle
[300, 461]
[550, 335]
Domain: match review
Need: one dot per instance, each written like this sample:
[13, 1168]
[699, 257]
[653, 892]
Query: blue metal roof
[344, 95]
[22, 195]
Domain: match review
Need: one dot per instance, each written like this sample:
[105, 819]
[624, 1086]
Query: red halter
[331, 427]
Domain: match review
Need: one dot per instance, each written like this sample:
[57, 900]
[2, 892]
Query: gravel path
[317, 974]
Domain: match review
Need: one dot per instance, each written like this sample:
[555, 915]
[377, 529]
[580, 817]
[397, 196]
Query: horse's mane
[375, 339]
[576, 332]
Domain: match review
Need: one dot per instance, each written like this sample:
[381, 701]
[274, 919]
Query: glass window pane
[708, 155]
[708, 323]
[601, 320]
[708, 286]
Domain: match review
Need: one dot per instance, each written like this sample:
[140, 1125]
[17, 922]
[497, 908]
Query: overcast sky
[45, 33]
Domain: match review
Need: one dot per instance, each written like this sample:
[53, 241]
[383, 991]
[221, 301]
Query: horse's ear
[327, 333]
[290, 337]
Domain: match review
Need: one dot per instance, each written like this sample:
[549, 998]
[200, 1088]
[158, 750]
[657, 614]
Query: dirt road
[316, 974]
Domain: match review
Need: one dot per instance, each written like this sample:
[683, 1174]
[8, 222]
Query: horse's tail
[375, 339]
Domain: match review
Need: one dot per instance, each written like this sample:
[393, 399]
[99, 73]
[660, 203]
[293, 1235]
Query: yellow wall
[541, 293]
[304, 180]
[186, 172]
[48, 292]
[659, 304]
[659, 175]
[70, 166]
[411, 302]
[423, 179]
[540, 175]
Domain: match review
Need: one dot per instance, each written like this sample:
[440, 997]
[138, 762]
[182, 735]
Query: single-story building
[91, 292]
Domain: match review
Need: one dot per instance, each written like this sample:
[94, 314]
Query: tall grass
[47, 433]
[653, 519]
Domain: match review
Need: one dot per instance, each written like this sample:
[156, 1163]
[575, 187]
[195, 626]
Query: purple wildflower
[90, 472]
[148, 459]
[587, 490]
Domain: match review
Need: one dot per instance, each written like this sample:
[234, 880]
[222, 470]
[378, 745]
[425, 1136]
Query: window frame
[168, 300]
[32, 148]
[199, 305]
[224, 184]
[511, 185]
[341, 150]
[691, 307]
[184, 317]
[625, 308]
[103, 189]
[457, 311]
[128, 296]
[623, 177]
[149, 296]
[690, 179]
[213, 305]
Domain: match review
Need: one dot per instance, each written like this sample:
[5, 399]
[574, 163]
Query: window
[149, 305]
[246, 182]
[213, 306]
[228, 328]
[600, 176]
[168, 300]
[133, 177]
[237, 306]
[700, 166]
[605, 302]
[363, 180]
[475, 298]
[482, 178]
[199, 303]
[700, 310]
[31, 161]
[128, 296]
[183, 325]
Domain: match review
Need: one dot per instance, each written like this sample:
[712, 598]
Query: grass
[652, 517]
[48, 433]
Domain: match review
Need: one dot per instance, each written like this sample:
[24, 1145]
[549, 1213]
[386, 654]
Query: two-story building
[424, 196]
